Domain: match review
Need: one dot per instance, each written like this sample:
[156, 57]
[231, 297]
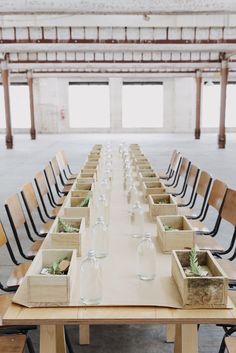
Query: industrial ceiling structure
[118, 37]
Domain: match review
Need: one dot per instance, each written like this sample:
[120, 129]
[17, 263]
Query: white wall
[51, 96]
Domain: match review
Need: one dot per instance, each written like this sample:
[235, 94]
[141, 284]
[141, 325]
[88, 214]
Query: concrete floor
[19, 166]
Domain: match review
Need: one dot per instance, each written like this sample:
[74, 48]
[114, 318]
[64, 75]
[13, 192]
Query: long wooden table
[52, 321]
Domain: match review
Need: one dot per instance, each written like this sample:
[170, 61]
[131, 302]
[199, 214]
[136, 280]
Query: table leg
[170, 333]
[186, 339]
[84, 334]
[52, 339]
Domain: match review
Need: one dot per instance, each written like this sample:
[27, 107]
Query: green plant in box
[85, 202]
[64, 227]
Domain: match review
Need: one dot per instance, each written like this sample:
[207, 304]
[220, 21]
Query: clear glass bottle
[146, 259]
[103, 208]
[105, 188]
[100, 238]
[128, 181]
[136, 220]
[90, 280]
[132, 195]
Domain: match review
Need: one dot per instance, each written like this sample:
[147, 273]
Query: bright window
[89, 106]
[20, 109]
[142, 105]
[211, 106]
[230, 120]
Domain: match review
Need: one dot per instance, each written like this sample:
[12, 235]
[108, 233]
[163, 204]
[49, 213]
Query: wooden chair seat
[229, 268]
[66, 188]
[198, 225]
[206, 242]
[55, 211]
[12, 343]
[35, 248]
[61, 199]
[18, 274]
[230, 343]
[45, 227]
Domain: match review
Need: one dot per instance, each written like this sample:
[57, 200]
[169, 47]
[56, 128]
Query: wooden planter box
[142, 169]
[82, 186]
[153, 188]
[84, 180]
[93, 159]
[73, 210]
[182, 236]
[148, 176]
[96, 148]
[87, 175]
[143, 165]
[51, 289]
[79, 193]
[62, 240]
[162, 209]
[200, 292]
[91, 165]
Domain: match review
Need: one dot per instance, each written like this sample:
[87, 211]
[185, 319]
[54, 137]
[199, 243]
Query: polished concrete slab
[18, 166]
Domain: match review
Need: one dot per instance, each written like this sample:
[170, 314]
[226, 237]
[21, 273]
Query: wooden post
[223, 91]
[5, 82]
[198, 104]
[31, 99]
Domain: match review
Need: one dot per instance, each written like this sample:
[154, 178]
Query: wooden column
[223, 90]
[31, 99]
[5, 82]
[198, 104]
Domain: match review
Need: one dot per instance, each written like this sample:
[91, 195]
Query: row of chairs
[188, 184]
[42, 204]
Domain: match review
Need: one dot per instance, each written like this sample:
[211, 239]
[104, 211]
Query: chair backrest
[175, 163]
[49, 175]
[228, 211]
[15, 209]
[203, 183]
[29, 196]
[55, 166]
[41, 183]
[217, 194]
[60, 161]
[64, 158]
[184, 166]
[172, 158]
[192, 175]
[3, 238]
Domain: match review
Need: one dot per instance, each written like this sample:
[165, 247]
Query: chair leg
[30, 344]
[68, 342]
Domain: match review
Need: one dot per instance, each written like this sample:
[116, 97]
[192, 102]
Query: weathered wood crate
[85, 186]
[93, 158]
[84, 180]
[80, 193]
[148, 176]
[65, 240]
[181, 235]
[143, 165]
[51, 289]
[73, 209]
[152, 188]
[90, 165]
[162, 205]
[87, 175]
[142, 169]
[200, 292]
